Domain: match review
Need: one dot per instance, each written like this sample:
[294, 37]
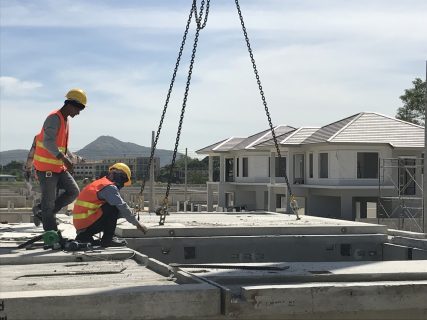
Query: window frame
[322, 168]
[360, 169]
[245, 167]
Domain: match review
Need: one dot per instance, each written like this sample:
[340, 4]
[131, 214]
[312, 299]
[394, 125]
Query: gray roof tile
[364, 127]
[370, 127]
[325, 132]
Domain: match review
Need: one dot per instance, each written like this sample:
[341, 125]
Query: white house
[335, 171]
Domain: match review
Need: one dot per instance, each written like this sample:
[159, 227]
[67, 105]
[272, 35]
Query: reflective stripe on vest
[40, 144]
[43, 159]
[48, 160]
[92, 208]
[87, 208]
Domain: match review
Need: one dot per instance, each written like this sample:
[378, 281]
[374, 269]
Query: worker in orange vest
[52, 161]
[100, 204]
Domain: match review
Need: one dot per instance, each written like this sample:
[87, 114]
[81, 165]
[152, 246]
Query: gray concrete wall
[325, 206]
[261, 248]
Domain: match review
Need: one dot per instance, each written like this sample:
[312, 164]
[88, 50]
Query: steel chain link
[184, 102]
[203, 15]
[293, 202]
[199, 26]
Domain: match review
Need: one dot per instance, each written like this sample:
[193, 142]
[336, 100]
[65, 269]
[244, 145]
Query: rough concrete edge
[414, 243]
[293, 296]
[275, 280]
[37, 257]
[167, 271]
[102, 291]
[408, 234]
[250, 231]
[137, 302]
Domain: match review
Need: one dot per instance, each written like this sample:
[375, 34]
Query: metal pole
[425, 163]
[185, 182]
[151, 208]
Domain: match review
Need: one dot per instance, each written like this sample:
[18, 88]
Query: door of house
[229, 199]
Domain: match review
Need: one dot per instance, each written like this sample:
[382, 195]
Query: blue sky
[319, 61]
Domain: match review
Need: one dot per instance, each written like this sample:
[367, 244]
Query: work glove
[27, 172]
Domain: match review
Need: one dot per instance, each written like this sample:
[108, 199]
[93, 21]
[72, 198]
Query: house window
[280, 166]
[310, 165]
[229, 169]
[281, 201]
[245, 167]
[407, 177]
[237, 167]
[323, 165]
[367, 165]
[299, 169]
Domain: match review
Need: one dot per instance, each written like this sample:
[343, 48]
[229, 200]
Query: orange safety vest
[43, 159]
[87, 208]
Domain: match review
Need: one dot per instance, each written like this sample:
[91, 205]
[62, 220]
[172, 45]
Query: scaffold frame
[400, 193]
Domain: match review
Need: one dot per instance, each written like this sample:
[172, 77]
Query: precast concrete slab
[332, 290]
[120, 283]
[254, 237]
[17, 215]
[244, 224]
[106, 284]
[271, 248]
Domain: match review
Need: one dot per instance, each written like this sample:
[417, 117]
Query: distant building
[334, 171]
[99, 168]
[7, 178]
[85, 170]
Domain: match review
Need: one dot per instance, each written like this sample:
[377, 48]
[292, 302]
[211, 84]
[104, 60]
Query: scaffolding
[400, 200]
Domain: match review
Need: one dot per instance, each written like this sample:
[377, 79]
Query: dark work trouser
[51, 203]
[106, 224]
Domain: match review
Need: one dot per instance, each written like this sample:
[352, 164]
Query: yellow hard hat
[123, 167]
[77, 95]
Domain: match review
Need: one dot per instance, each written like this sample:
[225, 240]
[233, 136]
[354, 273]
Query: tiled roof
[364, 127]
[292, 137]
[300, 135]
[325, 132]
[371, 127]
[266, 135]
[245, 143]
[222, 146]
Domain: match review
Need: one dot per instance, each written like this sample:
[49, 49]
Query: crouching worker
[100, 204]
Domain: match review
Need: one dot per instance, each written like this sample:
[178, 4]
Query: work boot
[96, 243]
[37, 215]
[115, 242]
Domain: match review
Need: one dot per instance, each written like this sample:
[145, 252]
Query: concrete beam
[137, 302]
[369, 300]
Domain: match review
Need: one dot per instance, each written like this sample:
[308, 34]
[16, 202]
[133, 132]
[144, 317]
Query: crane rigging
[201, 18]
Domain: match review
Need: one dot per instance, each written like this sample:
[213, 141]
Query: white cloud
[11, 86]
[318, 61]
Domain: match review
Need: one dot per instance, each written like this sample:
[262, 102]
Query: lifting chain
[201, 20]
[293, 201]
[199, 17]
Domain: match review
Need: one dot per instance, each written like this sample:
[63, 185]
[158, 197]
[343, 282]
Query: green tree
[414, 101]
[14, 168]
[197, 171]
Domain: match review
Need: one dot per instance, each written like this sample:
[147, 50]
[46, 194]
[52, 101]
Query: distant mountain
[103, 147]
[13, 155]
[110, 147]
